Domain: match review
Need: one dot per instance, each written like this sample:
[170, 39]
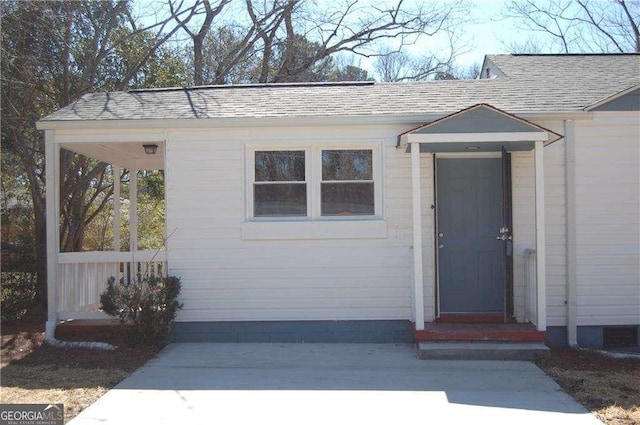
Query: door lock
[504, 234]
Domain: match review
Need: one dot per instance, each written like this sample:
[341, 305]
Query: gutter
[282, 121]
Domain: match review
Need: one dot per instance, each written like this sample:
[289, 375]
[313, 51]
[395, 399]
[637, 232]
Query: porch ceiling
[127, 155]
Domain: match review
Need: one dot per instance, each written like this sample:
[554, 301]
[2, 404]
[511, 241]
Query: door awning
[479, 128]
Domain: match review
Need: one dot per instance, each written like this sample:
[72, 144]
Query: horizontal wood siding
[608, 219]
[523, 180]
[226, 278]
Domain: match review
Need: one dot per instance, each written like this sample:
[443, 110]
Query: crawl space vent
[621, 337]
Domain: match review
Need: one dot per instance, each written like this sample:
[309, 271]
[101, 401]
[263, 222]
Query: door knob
[441, 246]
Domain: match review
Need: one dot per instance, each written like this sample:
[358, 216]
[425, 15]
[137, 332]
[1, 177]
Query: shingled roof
[530, 83]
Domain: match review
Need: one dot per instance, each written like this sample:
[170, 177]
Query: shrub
[17, 294]
[150, 305]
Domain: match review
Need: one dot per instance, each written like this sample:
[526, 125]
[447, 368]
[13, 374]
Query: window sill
[300, 230]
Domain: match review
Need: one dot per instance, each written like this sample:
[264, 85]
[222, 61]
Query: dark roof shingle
[533, 83]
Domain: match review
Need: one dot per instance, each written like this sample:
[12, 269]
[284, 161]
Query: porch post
[116, 208]
[418, 289]
[133, 210]
[540, 240]
[52, 170]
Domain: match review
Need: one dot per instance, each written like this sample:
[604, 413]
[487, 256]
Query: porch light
[150, 149]
[472, 148]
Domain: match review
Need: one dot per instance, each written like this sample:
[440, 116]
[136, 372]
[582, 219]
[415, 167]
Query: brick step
[503, 332]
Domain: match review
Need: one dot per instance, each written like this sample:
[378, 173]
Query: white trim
[524, 136]
[436, 238]
[418, 278]
[540, 236]
[460, 155]
[133, 209]
[317, 229]
[313, 175]
[52, 170]
[291, 121]
[570, 201]
[110, 256]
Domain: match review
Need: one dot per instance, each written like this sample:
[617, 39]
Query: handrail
[110, 256]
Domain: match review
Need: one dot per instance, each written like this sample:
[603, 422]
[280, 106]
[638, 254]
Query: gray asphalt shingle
[533, 83]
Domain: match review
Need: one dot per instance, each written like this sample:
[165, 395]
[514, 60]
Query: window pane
[279, 166]
[347, 199]
[347, 165]
[280, 200]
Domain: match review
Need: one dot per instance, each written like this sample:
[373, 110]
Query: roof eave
[290, 121]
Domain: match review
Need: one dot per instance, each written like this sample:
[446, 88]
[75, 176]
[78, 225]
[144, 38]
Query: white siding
[227, 278]
[608, 219]
[523, 180]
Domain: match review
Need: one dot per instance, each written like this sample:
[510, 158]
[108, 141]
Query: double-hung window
[314, 182]
[280, 186]
[347, 186]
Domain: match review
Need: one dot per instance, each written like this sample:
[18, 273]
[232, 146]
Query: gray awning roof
[481, 128]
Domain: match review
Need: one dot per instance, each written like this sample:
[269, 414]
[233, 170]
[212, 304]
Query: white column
[133, 210]
[116, 208]
[52, 165]
[570, 200]
[418, 288]
[540, 240]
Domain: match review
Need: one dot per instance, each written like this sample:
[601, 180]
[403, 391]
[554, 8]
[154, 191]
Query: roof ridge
[569, 54]
[256, 85]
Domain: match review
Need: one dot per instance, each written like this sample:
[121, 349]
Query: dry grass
[35, 373]
[610, 388]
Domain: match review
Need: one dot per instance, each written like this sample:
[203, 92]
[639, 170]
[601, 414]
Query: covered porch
[76, 279]
[480, 131]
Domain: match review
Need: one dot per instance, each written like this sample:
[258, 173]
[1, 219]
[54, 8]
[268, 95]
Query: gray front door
[469, 215]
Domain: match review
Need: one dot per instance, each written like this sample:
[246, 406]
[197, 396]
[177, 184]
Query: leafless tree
[582, 25]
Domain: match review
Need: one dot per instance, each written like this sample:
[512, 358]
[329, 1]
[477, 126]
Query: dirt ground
[33, 372]
[610, 388]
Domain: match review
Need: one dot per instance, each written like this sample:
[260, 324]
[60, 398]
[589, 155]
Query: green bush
[150, 305]
[17, 294]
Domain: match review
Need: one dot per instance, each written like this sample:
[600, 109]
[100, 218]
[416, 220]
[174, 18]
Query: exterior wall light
[150, 149]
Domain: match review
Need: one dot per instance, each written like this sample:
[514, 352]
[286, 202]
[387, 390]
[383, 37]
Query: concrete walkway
[330, 384]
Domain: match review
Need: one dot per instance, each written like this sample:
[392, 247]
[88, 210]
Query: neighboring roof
[532, 84]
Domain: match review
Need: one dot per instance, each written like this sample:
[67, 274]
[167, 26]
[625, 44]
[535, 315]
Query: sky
[485, 34]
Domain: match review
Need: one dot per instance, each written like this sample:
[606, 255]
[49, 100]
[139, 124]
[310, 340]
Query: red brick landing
[475, 332]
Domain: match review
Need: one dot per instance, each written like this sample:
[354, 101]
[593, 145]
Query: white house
[378, 212]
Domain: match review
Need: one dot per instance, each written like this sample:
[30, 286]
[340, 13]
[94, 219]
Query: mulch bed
[34, 372]
[608, 387]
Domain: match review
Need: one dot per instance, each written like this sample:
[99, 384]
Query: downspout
[570, 205]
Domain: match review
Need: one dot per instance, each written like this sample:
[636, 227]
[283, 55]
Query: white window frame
[313, 179]
[251, 181]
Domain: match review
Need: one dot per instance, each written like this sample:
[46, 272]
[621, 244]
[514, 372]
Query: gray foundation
[355, 331]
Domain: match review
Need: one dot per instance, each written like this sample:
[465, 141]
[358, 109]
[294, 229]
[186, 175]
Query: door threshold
[470, 318]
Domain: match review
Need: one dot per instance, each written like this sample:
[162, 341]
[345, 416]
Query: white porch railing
[82, 277]
[530, 286]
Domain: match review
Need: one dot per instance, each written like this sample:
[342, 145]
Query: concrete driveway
[330, 384]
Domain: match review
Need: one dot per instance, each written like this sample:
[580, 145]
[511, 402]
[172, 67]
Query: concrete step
[526, 351]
